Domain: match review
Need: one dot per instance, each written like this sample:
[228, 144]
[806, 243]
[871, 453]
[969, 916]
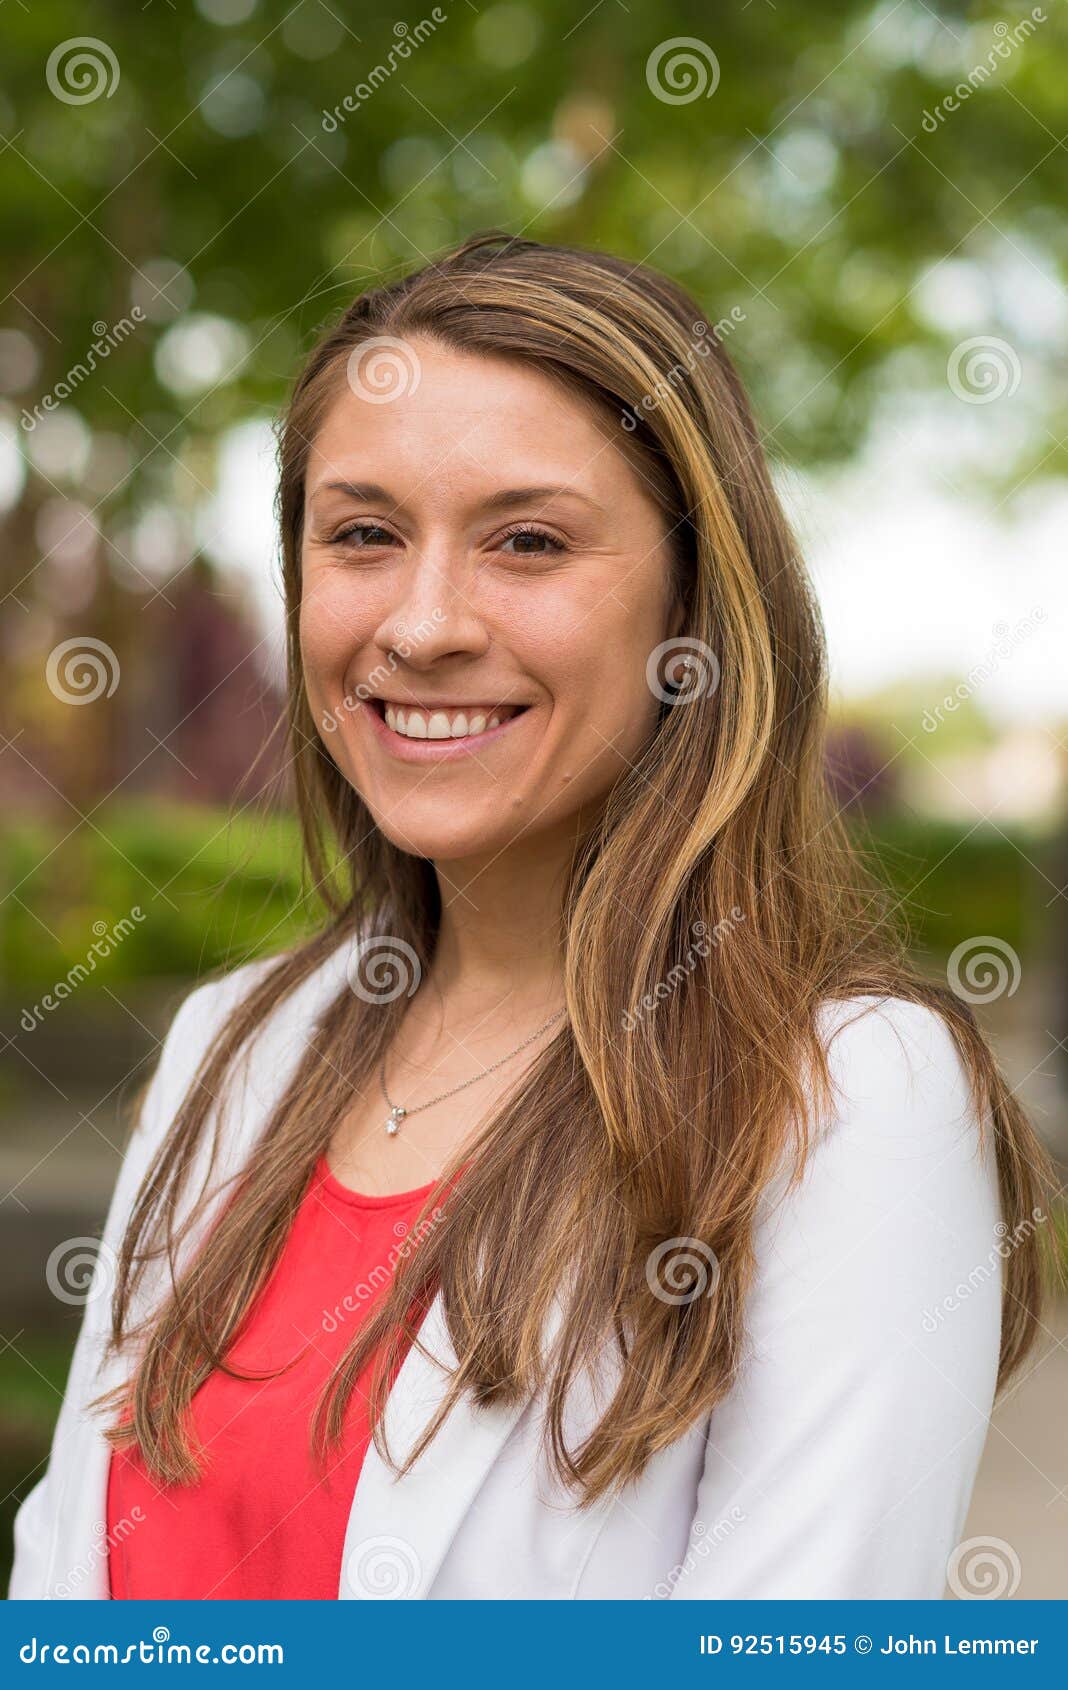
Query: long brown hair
[654, 1115]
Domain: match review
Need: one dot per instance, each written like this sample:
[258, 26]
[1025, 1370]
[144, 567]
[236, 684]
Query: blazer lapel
[400, 1528]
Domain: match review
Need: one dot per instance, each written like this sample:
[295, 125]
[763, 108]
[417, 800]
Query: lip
[432, 750]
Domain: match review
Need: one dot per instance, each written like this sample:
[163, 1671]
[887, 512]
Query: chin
[445, 842]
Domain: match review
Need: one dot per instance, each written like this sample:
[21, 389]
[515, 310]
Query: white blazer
[842, 1463]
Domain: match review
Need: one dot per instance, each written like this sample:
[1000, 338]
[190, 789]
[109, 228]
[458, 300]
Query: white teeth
[438, 724]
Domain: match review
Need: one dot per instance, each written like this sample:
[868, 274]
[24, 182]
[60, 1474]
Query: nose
[432, 614]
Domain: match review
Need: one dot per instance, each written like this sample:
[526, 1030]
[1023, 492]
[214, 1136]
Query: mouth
[430, 733]
[460, 721]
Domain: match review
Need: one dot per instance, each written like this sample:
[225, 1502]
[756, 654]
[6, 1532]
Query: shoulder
[203, 1014]
[896, 1208]
[204, 1009]
[900, 1178]
[848, 1446]
[197, 1022]
[896, 1062]
[902, 1107]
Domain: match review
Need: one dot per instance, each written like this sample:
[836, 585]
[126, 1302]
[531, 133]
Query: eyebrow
[372, 492]
[368, 491]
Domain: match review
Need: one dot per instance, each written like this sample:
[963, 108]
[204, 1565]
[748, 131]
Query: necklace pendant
[396, 1116]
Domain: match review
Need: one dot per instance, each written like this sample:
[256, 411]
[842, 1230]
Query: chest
[376, 1151]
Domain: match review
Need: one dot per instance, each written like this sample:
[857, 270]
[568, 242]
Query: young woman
[583, 1211]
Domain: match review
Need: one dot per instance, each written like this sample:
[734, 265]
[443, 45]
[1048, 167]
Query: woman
[573, 1214]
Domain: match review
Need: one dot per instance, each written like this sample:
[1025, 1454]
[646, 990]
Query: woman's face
[476, 549]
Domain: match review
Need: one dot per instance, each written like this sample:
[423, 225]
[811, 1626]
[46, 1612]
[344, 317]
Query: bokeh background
[871, 196]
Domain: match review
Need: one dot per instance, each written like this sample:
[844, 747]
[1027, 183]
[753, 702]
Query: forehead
[460, 417]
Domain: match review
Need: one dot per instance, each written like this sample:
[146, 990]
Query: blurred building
[163, 696]
[860, 773]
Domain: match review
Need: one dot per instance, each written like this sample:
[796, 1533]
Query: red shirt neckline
[328, 1182]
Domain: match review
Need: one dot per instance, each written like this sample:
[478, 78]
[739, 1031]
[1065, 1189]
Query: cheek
[331, 626]
[603, 708]
[624, 712]
[599, 653]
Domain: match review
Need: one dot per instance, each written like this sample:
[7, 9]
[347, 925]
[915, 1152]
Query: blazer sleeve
[180, 1052]
[842, 1464]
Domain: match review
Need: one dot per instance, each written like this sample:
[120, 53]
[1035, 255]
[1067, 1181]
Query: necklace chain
[397, 1113]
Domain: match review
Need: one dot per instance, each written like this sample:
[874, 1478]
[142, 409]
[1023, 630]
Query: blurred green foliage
[193, 888]
[215, 889]
[802, 185]
[952, 881]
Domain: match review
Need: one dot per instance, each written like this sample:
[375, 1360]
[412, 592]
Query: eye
[528, 541]
[363, 536]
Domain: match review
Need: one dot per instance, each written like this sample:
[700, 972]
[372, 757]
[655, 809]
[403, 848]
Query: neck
[501, 934]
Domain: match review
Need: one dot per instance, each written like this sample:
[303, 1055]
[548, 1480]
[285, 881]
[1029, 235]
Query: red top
[265, 1520]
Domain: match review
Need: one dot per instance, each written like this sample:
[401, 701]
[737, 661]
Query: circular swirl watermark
[985, 1569]
[680, 671]
[79, 1270]
[382, 968]
[682, 70]
[160, 1634]
[81, 670]
[982, 369]
[983, 968]
[81, 69]
[383, 369]
[680, 1270]
[383, 1568]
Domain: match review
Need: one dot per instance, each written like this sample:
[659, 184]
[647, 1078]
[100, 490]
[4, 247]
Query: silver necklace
[397, 1113]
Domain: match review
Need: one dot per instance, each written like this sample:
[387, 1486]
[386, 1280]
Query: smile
[416, 723]
[424, 733]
